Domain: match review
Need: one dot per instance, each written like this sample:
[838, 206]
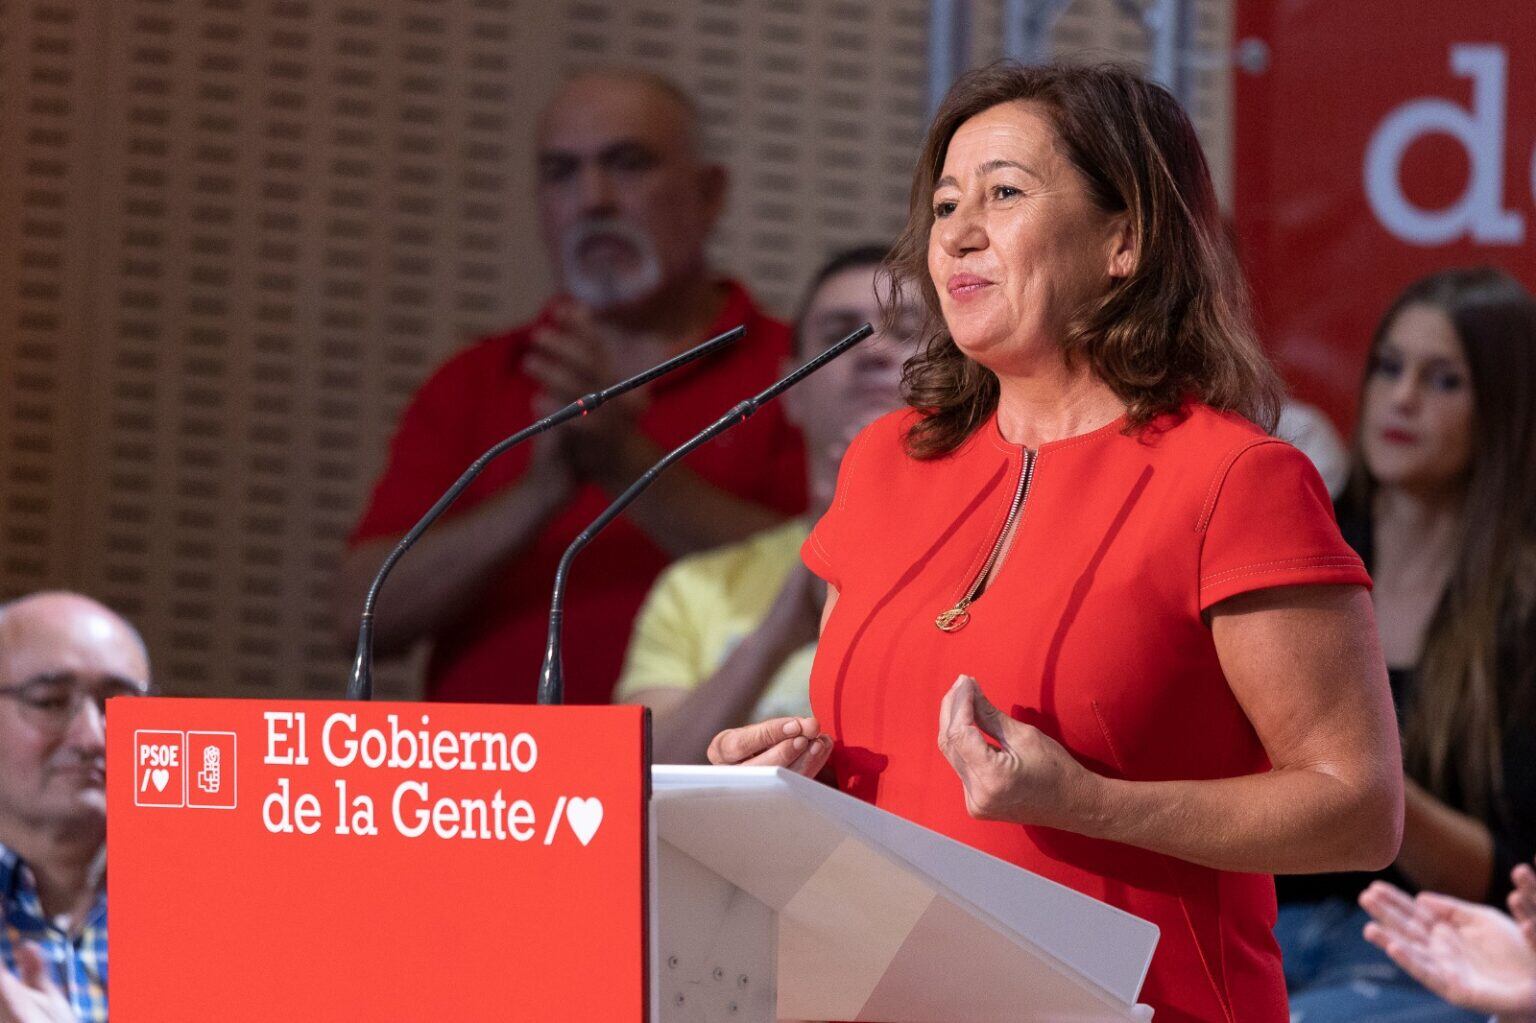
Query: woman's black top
[1513, 825]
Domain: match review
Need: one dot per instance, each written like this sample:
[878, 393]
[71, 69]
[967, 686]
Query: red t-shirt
[481, 395]
[1092, 631]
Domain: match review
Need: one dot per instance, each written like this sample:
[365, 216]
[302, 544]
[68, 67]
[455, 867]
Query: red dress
[493, 652]
[1092, 630]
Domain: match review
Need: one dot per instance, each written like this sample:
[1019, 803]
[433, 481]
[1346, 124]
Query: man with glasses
[62, 656]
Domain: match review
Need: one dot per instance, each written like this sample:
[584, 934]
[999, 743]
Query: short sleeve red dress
[1092, 630]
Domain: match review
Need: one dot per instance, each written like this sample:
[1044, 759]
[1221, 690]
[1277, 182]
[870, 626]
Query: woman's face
[1017, 247]
[1416, 419]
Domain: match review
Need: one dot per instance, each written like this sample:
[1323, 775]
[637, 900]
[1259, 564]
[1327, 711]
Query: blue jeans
[1334, 975]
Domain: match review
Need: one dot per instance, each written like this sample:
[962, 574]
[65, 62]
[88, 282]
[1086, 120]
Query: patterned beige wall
[236, 234]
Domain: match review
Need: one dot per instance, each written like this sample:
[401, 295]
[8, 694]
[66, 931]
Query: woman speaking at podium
[1083, 613]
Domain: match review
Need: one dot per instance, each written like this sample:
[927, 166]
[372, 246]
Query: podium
[776, 897]
[332, 861]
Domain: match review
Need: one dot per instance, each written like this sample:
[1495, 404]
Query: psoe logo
[159, 766]
[173, 768]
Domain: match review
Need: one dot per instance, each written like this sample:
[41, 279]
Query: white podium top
[881, 919]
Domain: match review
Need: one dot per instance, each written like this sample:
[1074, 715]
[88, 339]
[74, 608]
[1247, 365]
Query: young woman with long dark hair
[1441, 504]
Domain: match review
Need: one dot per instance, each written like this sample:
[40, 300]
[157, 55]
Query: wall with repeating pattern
[236, 234]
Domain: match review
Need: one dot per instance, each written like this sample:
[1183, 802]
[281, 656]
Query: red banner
[367, 861]
[1376, 142]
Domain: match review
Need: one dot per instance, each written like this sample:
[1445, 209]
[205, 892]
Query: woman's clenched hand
[1027, 778]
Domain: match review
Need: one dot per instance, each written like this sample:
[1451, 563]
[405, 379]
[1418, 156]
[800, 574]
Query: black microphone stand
[360, 686]
[552, 676]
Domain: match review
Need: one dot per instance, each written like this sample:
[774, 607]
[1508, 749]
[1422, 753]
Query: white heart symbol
[585, 816]
[160, 776]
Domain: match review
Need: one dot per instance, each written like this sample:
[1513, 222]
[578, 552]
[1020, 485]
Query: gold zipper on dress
[955, 619]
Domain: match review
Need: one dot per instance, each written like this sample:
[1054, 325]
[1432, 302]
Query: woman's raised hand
[1470, 955]
[1027, 778]
[793, 743]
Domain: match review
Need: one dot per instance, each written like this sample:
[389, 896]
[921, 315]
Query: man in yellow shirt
[727, 636]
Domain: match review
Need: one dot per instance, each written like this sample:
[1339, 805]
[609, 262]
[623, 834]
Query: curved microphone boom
[360, 686]
[552, 676]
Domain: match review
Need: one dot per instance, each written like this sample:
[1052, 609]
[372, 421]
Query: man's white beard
[602, 286]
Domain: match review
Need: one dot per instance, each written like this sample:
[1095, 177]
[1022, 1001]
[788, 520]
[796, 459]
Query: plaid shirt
[78, 961]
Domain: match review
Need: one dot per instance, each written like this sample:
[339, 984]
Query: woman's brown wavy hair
[1178, 328]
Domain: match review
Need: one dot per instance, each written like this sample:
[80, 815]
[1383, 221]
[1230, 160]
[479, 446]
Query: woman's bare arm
[1444, 850]
[1305, 664]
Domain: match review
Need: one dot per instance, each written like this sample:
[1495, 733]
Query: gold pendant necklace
[954, 619]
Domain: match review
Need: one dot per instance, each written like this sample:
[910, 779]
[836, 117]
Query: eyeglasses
[51, 704]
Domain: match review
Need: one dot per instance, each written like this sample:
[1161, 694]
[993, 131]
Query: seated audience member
[1469, 954]
[727, 636]
[627, 201]
[1440, 505]
[61, 657]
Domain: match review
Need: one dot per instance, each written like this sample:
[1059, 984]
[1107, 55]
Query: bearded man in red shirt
[627, 201]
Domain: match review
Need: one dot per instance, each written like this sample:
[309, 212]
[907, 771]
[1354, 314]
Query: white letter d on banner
[1479, 212]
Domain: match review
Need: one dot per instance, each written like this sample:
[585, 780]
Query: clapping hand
[795, 743]
[1522, 901]
[1027, 778]
[1471, 955]
[31, 996]
[577, 355]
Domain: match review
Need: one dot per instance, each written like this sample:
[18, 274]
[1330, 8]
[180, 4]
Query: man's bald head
[58, 618]
[626, 198]
[654, 96]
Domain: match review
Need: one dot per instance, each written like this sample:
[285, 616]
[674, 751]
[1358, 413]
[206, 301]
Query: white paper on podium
[882, 919]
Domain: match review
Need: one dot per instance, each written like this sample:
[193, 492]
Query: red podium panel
[333, 861]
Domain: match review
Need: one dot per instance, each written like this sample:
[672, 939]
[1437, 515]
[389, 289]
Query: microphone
[360, 686]
[552, 676]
